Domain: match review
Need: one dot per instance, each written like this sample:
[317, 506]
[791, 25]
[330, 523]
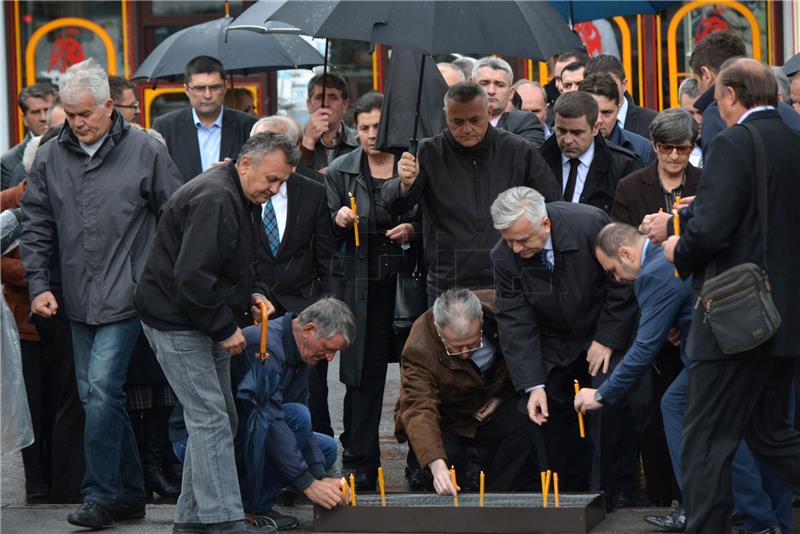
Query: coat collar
[119, 127]
[563, 240]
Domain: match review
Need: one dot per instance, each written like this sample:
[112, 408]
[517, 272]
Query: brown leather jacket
[437, 390]
[15, 288]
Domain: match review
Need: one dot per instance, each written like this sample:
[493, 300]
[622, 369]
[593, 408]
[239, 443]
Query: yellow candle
[581, 428]
[544, 476]
[352, 489]
[483, 482]
[455, 486]
[264, 331]
[344, 490]
[547, 489]
[381, 486]
[555, 488]
[676, 229]
[354, 208]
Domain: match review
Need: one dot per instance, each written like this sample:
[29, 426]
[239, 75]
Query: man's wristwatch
[599, 398]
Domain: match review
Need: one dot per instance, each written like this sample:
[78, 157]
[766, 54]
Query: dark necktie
[271, 227]
[571, 179]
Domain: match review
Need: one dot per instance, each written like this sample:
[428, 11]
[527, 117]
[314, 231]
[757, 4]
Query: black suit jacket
[611, 163]
[180, 133]
[640, 193]
[549, 319]
[638, 118]
[725, 228]
[523, 123]
[306, 266]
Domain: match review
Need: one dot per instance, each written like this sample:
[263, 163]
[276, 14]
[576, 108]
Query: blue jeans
[113, 475]
[199, 372]
[757, 495]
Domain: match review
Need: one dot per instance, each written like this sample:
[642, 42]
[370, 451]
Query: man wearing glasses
[455, 392]
[220, 132]
[123, 94]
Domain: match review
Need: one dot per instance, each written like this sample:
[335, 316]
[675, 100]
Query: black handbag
[737, 303]
[411, 300]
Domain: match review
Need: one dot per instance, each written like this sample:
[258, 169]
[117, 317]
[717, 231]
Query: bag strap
[760, 186]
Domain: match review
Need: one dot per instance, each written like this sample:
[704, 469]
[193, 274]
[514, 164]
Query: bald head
[744, 84]
[451, 73]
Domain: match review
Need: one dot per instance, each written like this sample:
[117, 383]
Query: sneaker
[91, 515]
[274, 519]
[674, 521]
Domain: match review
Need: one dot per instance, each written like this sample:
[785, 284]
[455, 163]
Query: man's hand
[584, 401]
[669, 247]
[442, 482]
[345, 217]
[674, 337]
[326, 492]
[221, 163]
[318, 124]
[45, 304]
[402, 233]
[255, 310]
[488, 409]
[598, 356]
[235, 344]
[685, 201]
[537, 406]
[408, 170]
[655, 226]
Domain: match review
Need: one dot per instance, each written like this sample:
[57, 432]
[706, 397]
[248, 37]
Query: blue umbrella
[574, 12]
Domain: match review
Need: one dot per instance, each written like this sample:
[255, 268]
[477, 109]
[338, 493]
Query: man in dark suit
[633, 118]
[747, 394]
[299, 258]
[586, 167]
[206, 132]
[557, 310]
[496, 78]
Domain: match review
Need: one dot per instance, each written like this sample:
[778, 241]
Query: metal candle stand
[501, 512]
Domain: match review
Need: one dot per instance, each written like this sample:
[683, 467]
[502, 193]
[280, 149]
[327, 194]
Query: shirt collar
[282, 190]
[623, 112]
[753, 110]
[548, 245]
[496, 120]
[217, 121]
[644, 250]
[585, 158]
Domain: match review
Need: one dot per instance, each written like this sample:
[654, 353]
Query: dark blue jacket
[664, 301]
[287, 377]
[634, 142]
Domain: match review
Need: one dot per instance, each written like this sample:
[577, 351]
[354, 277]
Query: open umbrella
[513, 27]
[239, 52]
[574, 12]
[792, 66]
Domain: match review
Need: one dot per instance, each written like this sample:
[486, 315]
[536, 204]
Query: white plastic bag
[15, 418]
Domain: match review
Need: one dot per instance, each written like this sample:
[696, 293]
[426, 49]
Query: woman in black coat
[371, 279]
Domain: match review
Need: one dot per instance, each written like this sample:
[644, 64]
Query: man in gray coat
[94, 194]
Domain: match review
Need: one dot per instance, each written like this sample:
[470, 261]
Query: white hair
[86, 76]
[494, 63]
[285, 124]
[30, 152]
[513, 203]
[458, 309]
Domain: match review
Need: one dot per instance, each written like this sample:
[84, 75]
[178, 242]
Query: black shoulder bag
[737, 303]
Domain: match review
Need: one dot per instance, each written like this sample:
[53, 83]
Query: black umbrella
[513, 27]
[402, 93]
[792, 66]
[239, 52]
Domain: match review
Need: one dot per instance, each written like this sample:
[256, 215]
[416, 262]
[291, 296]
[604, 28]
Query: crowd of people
[550, 234]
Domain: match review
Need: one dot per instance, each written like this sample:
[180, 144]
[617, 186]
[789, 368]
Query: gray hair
[278, 122]
[513, 203]
[82, 77]
[453, 67]
[264, 143]
[494, 63]
[689, 87]
[465, 63]
[30, 152]
[784, 91]
[458, 309]
[330, 317]
[674, 126]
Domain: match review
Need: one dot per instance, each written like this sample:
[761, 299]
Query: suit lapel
[227, 144]
[293, 195]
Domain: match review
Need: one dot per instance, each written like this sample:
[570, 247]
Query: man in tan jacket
[455, 393]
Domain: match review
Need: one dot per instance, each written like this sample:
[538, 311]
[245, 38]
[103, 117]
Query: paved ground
[17, 518]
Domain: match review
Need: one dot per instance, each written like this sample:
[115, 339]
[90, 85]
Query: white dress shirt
[623, 113]
[281, 205]
[583, 169]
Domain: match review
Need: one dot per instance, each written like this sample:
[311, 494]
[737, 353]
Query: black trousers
[63, 411]
[730, 399]
[363, 404]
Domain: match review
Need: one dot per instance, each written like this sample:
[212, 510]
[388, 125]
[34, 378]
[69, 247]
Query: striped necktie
[271, 227]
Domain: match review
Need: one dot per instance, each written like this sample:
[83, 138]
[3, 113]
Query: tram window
[164, 8]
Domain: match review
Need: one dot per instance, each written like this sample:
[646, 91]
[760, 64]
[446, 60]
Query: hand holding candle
[352, 489]
[581, 428]
[354, 208]
[455, 486]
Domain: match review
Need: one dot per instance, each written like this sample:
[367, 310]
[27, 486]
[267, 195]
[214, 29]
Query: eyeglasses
[135, 105]
[201, 89]
[666, 150]
[459, 350]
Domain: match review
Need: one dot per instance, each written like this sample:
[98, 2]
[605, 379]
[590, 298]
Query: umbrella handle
[262, 353]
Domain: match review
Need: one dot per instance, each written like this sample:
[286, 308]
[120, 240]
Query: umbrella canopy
[239, 52]
[792, 66]
[254, 19]
[582, 11]
[512, 27]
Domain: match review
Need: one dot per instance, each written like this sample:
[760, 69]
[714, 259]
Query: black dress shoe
[623, 499]
[674, 521]
[155, 480]
[91, 515]
[188, 528]
[771, 530]
[122, 513]
[273, 519]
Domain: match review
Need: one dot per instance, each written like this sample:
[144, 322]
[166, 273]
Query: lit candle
[352, 489]
[483, 482]
[344, 490]
[354, 208]
[455, 486]
[580, 415]
[381, 486]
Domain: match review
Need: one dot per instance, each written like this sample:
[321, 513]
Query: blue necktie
[271, 227]
[546, 263]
